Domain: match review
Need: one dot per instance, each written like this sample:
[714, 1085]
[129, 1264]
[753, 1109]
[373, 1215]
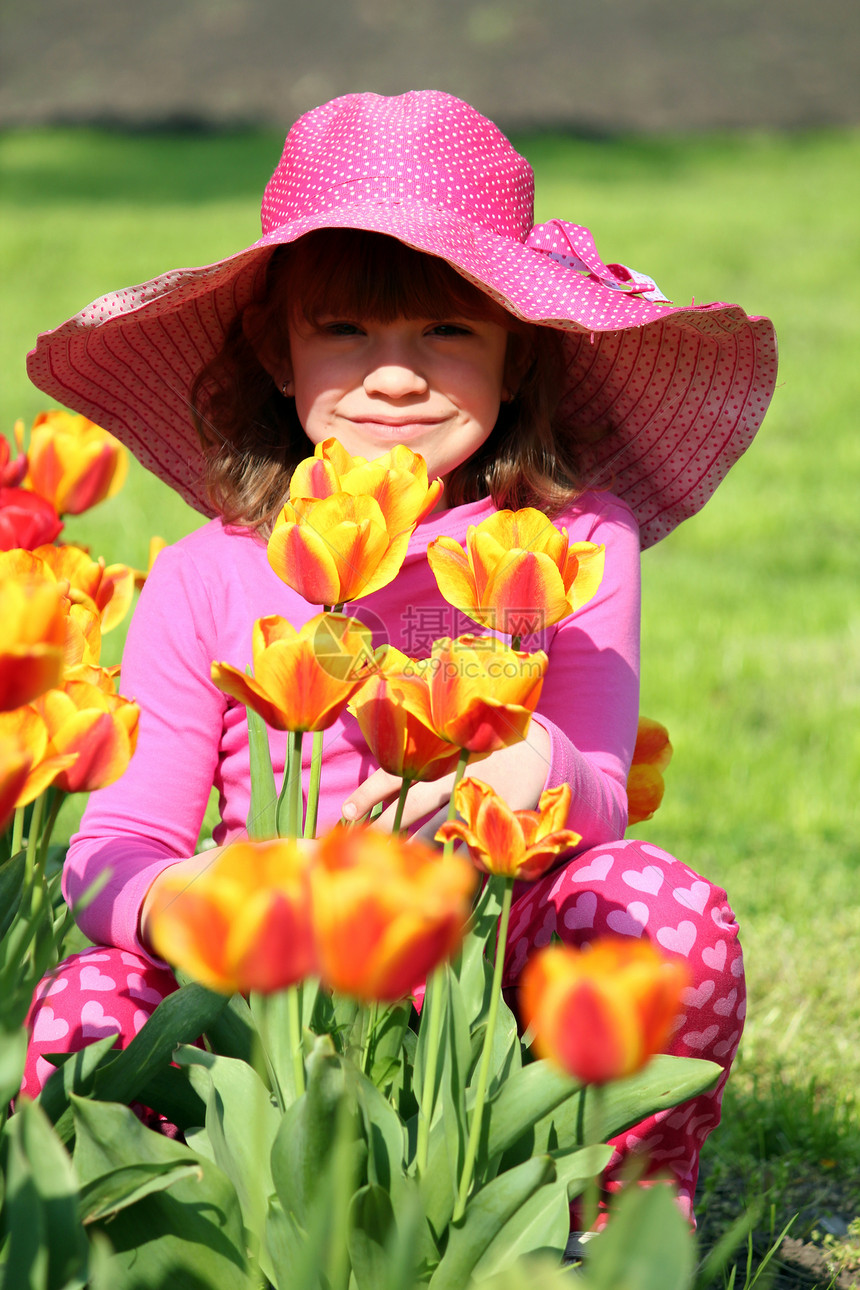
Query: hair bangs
[352, 273]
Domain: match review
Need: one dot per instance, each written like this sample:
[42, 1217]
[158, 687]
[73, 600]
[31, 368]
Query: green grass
[752, 619]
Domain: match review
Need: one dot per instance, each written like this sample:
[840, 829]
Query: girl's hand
[517, 773]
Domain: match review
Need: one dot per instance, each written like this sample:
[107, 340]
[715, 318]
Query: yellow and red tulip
[33, 615]
[244, 923]
[518, 573]
[514, 844]
[73, 463]
[393, 711]
[25, 729]
[603, 1011]
[302, 679]
[386, 911]
[12, 470]
[482, 693]
[651, 756]
[98, 725]
[345, 531]
[16, 758]
[106, 589]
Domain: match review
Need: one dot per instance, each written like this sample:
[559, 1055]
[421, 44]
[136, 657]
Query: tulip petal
[527, 593]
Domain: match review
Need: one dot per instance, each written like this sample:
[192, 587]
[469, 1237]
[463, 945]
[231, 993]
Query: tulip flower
[26, 520]
[386, 911]
[12, 471]
[603, 1011]
[346, 528]
[32, 631]
[482, 693]
[303, 679]
[518, 573]
[397, 481]
[83, 636]
[106, 589]
[393, 711]
[73, 463]
[15, 762]
[25, 729]
[243, 924]
[101, 727]
[651, 756]
[513, 844]
[156, 546]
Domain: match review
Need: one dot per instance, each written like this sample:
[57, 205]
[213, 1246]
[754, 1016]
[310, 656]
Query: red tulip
[26, 520]
[603, 1011]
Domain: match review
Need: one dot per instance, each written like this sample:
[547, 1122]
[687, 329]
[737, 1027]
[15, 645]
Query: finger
[378, 787]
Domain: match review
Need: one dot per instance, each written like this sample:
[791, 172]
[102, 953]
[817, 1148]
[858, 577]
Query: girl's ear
[269, 343]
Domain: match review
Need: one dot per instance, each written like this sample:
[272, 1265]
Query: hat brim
[680, 390]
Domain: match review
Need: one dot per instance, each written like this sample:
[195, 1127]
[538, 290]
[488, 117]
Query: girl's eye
[340, 328]
[450, 329]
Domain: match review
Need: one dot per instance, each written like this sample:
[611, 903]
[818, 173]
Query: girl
[400, 294]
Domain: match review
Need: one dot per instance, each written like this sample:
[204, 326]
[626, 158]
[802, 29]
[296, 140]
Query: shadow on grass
[789, 1152]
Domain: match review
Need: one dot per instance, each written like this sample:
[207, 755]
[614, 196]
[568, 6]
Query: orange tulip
[386, 911]
[106, 589]
[15, 762]
[482, 693]
[73, 463]
[12, 471]
[32, 631]
[98, 725]
[244, 923]
[515, 844]
[346, 528]
[303, 679]
[601, 1012]
[393, 711]
[518, 574]
[651, 756]
[25, 729]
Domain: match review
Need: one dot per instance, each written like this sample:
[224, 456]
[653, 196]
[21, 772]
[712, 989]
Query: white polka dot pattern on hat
[680, 391]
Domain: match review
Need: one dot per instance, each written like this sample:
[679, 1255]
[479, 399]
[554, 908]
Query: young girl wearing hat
[400, 294]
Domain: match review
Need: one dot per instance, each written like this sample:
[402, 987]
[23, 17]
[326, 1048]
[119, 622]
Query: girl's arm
[151, 817]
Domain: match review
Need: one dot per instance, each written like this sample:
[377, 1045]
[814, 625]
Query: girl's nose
[395, 373]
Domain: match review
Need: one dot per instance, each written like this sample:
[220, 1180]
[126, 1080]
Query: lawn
[751, 619]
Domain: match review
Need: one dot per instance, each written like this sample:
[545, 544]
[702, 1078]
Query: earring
[287, 389]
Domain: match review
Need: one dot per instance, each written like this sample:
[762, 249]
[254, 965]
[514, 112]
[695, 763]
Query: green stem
[58, 798]
[486, 1057]
[296, 775]
[596, 1121]
[18, 829]
[452, 810]
[433, 1006]
[314, 786]
[33, 836]
[294, 1022]
[515, 642]
[401, 802]
[367, 1055]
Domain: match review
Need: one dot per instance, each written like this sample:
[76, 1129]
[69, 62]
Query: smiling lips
[396, 430]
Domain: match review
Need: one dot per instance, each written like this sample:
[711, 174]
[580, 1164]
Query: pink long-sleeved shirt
[199, 606]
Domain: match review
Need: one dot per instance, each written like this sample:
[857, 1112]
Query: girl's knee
[90, 995]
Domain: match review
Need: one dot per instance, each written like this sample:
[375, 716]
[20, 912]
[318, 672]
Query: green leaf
[262, 820]
[116, 1190]
[185, 1237]
[76, 1073]
[241, 1125]
[474, 970]
[11, 884]
[385, 1136]
[307, 1132]
[386, 1044]
[371, 1225]
[647, 1244]
[47, 1245]
[540, 1226]
[13, 1054]
[486, 1214]
[233, 1033]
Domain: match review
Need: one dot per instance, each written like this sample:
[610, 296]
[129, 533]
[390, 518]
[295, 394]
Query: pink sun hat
[683, 389]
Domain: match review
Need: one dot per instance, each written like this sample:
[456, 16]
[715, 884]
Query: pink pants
[627, 888]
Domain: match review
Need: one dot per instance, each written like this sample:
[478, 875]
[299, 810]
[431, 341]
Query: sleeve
[151, 817]
[590, 699]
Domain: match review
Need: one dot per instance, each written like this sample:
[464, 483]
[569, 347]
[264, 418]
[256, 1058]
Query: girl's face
[432, 384]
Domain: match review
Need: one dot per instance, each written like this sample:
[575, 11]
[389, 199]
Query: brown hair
[252, 437]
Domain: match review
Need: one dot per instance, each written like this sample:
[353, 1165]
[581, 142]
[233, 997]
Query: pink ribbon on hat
[573, 246]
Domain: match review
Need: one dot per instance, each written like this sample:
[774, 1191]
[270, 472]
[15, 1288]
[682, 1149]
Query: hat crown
[424, 147]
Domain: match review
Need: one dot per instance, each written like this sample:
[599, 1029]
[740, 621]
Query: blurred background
[590, 65]
[714, 145]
